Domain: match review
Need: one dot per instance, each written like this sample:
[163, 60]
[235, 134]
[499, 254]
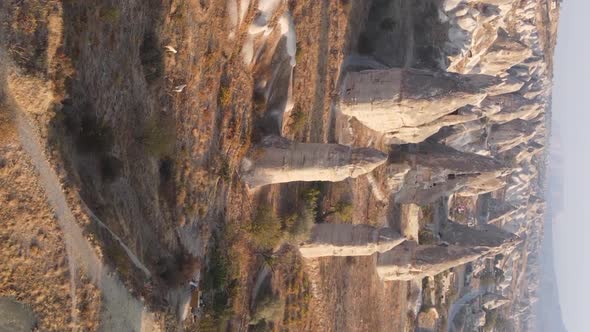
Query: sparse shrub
[224, 96]
[269, 307]
[388, 24]
[299, 225]
[365, 45]
[425, 236]
[298, 120]
[344, 211]
[259, 103]
[311, 197]
[158, 136]
[220, 283]
[224, 170]
[298, 54]
[110, 168]
[427, 213]
[109, 14]
[94, 136]
[166, 169]
[150, 55]
[265, 230]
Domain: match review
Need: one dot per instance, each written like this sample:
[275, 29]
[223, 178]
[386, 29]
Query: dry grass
[34, 262]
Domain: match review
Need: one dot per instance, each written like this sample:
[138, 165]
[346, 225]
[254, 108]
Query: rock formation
[511, 106]
[349, 240]
[278, 160]
[488, 236]
[508, 135]
[411, 261]
[491, 301]
[432, 170]
[389, 100]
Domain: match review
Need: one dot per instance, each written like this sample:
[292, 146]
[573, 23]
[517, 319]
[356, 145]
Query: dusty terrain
[127, 126]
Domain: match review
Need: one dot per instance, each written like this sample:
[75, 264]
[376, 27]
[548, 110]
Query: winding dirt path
[121, 311]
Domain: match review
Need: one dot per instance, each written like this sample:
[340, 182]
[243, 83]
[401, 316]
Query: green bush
[224, 96]
[109, 14]
[298, 120]
[110, 168]
[269, 308]
[159, 136]
[344, 211]
[299, 225]
[94, 136]
[265, 230]
[425, 236]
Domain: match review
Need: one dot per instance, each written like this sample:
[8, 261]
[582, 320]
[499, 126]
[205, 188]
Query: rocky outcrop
[412, 261]
[491, 301]
[278, 160]
[511, 106]
[505, 136]
[349, 240]
[478, 40]
[388, 101]
[433, 170]
[461, 244]
[488, 236]
[419, 134]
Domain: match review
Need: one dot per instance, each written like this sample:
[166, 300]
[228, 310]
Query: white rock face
[491, 301]
[463, 244]
[279, 160]
[388, 101]
[419, 134]
[431, 171]
[511, 106]
[349, 240]
[410, 261]
[508, 135]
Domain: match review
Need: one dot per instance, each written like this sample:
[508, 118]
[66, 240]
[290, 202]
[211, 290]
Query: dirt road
[121, 311]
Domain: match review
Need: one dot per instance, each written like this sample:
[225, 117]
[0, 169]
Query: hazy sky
[571, 100]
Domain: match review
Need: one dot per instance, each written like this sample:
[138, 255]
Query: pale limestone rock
[389, 100]
[419, 134]
[437, 170]
[412, 261]
[484, 183]
[279, 160]
[409, 260]
[348, 240]
[511, 106]
[488, 236]
[505, 136]
[469, 137]
[479, 318]
[499, 211]
[491, 301]
[504, 53]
